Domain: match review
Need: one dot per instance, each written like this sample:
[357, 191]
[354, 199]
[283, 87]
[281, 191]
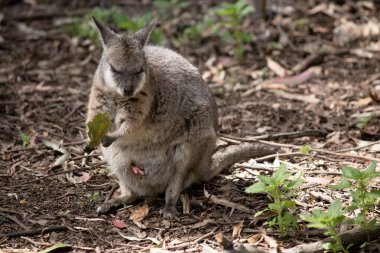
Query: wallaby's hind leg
[126, 197]
[172, 194]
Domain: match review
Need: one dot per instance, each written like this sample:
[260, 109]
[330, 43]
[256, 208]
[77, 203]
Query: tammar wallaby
[164, 120]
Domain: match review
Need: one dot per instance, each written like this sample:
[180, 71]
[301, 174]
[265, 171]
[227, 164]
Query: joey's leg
[126, 197]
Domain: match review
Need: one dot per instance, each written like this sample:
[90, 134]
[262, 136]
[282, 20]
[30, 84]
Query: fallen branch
[295, 134]
[356, 236]
[227, 203]
[38, 231]
[317, 150]
[14, 219]
[230, 247]
[315, 59]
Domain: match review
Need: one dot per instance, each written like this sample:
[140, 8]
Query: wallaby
[164, 120]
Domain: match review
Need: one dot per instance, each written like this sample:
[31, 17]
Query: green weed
[25, 139]
[363, 198]
[328, 220]
[84, 28]
[282, 190]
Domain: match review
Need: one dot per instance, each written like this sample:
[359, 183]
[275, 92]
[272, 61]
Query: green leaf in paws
[98, 128]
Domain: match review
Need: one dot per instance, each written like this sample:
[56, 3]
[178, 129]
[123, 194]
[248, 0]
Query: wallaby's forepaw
[170, 213]
[107, 140]
[108, 206]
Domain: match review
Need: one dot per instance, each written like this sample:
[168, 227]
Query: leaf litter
[44, 86]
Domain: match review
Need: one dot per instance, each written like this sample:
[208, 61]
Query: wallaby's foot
[113, 204]
[170, 212]
[87, 149]
[107, 140]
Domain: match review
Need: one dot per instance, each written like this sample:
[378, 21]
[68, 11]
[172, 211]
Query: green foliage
[25, 139]
[98, 128]
[328, 220]
[84, 28]
[226, 24]
[56, 247]
[166, 7]
[93, 198]
[108, 170]
[363, 198]
[305, 149]
[362, 121]
[282, 190]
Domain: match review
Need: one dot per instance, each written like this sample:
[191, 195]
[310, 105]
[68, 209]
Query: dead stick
[38, 231]
[12, 218]
[295, 134]
[58, 173]
[315, 59]
[355, 236]
[251, 139]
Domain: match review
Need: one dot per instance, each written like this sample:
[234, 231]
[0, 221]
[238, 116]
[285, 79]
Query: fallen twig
[56, 174]
[14, 219]
[355, 236]
[227, 203]
[315, 59]
[38, 231]
[295, 134]
[230, 247]
[317, 150]
[190, 242]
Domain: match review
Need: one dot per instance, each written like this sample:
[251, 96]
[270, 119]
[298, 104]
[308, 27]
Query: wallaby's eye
[140, 71]
[114, 70]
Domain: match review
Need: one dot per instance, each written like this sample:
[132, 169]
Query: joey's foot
[108, 206]
[170, 213]
[107, 141]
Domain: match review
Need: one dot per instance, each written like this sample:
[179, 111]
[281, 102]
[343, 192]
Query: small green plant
[108, 170]
[93, 198]
[229, 29]
[363, 198]
[305, 149]
[282, 190]
[362, 121]
[166, 8]
[25, 139]
[224, 22]
[328, 220]
[84, 28]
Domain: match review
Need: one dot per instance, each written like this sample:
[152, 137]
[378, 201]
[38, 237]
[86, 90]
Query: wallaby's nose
[128, 90]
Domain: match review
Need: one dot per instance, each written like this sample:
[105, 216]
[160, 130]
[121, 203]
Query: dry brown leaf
[255, 238]
[139, 213]
[237, 229]
[119, 223]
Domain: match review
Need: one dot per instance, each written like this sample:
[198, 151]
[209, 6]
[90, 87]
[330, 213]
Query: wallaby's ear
[143, 34]
[105, 33]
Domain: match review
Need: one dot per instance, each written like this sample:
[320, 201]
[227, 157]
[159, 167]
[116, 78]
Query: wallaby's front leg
[126, 197]
[111, 137]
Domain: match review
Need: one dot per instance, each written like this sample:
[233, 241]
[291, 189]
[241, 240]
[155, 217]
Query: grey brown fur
[164, 119]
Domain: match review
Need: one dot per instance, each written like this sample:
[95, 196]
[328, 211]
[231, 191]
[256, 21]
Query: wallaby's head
[123, 66]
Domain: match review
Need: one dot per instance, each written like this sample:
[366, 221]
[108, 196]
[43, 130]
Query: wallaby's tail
[230, 155]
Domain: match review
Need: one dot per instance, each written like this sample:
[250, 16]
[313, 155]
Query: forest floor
[332, 102]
